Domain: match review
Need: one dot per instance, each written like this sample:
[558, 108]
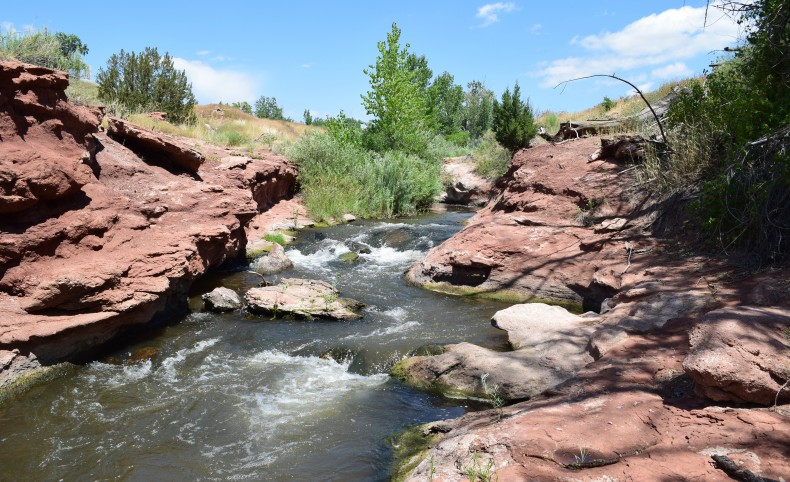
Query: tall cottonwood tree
[147, 81]
[396, 99]
[478, 109]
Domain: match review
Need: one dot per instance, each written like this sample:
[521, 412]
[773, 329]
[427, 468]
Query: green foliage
[147, 81]
[445, 104]
[607, 104]
[491, 159]
[267, 108]
[59, 51]
[338, 178]
[345, 130]
[514, 124]
[476, 472]
[397, 99]
[478, 109]
[275, 238]
[730, 136]
[550, 122]
[243, 106]
[308, 117]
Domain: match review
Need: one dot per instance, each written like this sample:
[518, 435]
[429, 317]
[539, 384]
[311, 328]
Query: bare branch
[638, 91]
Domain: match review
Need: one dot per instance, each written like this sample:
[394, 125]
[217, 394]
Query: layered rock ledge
[97, 237]
[557, 229]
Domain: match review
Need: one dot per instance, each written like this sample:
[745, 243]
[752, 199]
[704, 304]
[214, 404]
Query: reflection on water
[234, 396]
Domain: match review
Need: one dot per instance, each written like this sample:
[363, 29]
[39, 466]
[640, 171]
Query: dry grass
[623, 107]
[231, 128]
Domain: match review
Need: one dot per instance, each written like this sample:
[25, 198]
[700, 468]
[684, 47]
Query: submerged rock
[352, 258]
[274, 262]
[302, 299]
[222, 299]
[740, 354]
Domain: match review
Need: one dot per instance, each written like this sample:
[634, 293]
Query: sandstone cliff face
[557, 230]
[92, 237]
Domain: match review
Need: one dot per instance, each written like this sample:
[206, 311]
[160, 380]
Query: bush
[338, 178]
[56, 51]
[147, 82]
[491, 159]
[730, 136]
[514, 124]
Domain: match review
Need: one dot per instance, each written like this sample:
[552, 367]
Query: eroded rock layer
[93, 237]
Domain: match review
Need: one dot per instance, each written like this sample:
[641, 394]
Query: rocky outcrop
[155, 147]
[97, 239]
[221, 300]
[304, 299]
[741, 354]
[628, 416]
[549, 233]
[550, 346]
[464, 185]
[33, 106]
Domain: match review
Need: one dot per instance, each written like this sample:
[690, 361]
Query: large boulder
[274, 262]
[551, 346]
[741, 354]
[221, 300]
[300, 298]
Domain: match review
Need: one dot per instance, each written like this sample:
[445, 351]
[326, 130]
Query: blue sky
[311, 54]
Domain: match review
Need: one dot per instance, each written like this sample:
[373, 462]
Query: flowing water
[240, 397]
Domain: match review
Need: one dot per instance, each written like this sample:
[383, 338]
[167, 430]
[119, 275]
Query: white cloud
[214, 85]
[490, 13]
[536, 28]
[671, 71]
[659, 40]
[307, 65]
[203, 53]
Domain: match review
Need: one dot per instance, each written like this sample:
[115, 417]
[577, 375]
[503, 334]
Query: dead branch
[638, 91]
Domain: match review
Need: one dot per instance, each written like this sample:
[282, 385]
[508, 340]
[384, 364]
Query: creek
[240, 397]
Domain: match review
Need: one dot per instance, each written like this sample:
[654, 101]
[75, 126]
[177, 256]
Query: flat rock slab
[552, 347]
[307, 299]
[533, 324]
[741, 354]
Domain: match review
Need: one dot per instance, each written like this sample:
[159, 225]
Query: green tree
[267, 108]
[147, 81]
[395, 100]
[514, 124]
[445, 100]
[478, 109]
[308, 117]
[243, 106]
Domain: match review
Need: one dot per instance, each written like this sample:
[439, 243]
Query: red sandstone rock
[632, 412]
[741, 354]
[98, 243]
[301, 298]
[534, 237]
[153, 146]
